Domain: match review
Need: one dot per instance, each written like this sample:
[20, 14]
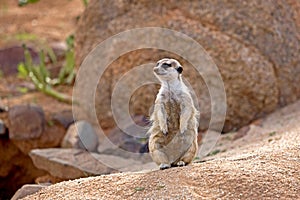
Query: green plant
[85, 2]
[138, 189]
[40, 75]
[67, 73]
[272, 133]
[25, 36]
[25, 2]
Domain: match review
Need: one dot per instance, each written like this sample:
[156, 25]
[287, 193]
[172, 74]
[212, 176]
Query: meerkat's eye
[166, 65]
[179, 69]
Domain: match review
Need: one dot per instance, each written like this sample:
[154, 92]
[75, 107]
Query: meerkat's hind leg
[160, 158]
[180, 163]
[190, 154]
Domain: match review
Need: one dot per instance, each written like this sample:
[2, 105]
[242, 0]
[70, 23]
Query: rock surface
[26, 190]
[65, 118]
[75, 163]
[254, 45]
[67, 163]
[260, 170]
[51, 137]
[26, 122]
[80, 135]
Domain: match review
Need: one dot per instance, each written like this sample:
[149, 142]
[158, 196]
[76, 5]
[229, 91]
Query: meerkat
[173, 133]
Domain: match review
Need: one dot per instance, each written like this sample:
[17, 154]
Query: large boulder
[255, 46]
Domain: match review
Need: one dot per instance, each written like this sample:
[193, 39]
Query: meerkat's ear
[179, 69]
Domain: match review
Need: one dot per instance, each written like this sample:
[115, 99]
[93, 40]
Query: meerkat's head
[167, 69]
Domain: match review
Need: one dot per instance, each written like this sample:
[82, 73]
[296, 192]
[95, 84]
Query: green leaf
[43, 71]
[51, 54]
[70, 42]
[22, 89]
[85, 2]
[139, 188]
[22, 71]
[67, 74]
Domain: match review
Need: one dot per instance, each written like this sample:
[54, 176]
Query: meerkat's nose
[155, 69]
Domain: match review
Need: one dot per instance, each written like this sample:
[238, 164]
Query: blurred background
[255, 45]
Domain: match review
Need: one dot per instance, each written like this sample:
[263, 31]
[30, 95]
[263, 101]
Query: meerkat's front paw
[164, 128]
[165, 132]
[164, 166]
[182, 128]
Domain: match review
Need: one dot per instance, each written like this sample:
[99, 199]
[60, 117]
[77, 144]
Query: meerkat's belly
[173, 115]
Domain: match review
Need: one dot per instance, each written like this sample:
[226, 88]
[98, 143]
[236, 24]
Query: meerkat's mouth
[161, 74]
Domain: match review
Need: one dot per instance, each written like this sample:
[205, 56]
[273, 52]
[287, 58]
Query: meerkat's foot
[180, 164]
[164, 130]
[183, 129]
[164, 166]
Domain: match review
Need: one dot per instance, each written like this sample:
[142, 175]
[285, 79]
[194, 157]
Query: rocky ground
[260, 163]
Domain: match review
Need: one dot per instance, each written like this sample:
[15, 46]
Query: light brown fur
[173, 134]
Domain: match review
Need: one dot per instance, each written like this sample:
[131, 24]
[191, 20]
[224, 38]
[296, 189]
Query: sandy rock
[253, 44]
[122, 164]
[67, 163]
[75, 163]
[26, 190]
[26, 122]
[80, 135]
[262, 170]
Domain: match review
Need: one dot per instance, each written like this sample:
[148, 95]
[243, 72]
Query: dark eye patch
[166, 65]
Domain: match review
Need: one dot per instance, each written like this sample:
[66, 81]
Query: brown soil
[48, 20]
